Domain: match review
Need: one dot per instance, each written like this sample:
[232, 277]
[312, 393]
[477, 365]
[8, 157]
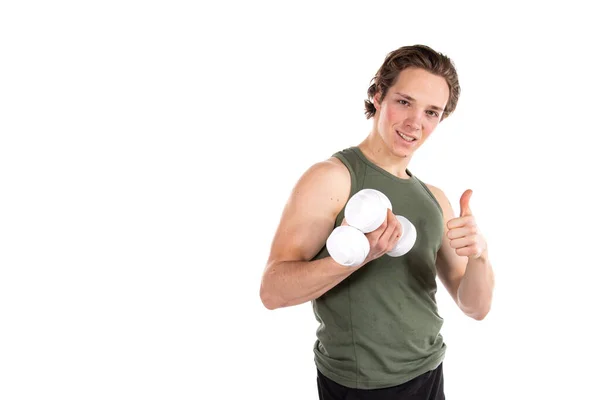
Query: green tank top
[380, 327]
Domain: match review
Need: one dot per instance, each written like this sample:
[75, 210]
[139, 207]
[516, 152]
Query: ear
[376, 101]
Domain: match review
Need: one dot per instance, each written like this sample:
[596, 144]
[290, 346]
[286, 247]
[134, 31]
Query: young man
[379, 334]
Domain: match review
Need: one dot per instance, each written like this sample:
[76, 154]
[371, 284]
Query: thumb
[464, 203]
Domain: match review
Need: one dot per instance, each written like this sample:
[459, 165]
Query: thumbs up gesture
[463, 233]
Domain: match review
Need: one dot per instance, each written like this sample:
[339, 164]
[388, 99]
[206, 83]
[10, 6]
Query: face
[411, 110]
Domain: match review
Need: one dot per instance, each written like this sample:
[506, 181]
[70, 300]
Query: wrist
[482, 258]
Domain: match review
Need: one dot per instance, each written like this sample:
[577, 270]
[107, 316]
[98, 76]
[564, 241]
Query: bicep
[310, 212]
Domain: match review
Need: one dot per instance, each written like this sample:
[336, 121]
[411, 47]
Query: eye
[403, 102]
[432, 113]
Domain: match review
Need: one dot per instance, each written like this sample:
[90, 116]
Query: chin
[401, 152]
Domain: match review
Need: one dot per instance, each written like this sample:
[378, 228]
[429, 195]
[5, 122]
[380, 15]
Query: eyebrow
[436, 108]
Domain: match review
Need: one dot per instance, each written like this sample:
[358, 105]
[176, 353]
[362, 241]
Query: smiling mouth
[407, 138]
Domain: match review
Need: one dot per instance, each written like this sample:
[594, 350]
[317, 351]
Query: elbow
[268, 300]
[480, 315]
[477, 308]
[270, 294]
[477, 312]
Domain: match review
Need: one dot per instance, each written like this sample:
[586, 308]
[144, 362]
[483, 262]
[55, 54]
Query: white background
[147, 150]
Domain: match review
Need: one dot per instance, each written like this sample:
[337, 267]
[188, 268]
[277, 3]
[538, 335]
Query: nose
[413, 120]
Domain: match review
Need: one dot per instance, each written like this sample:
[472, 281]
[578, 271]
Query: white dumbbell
[365, 212]
[348, 246]
[407, 240]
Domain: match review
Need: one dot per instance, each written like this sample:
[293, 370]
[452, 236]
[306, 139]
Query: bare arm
[307, 220]
[462, 263]
[306, 223]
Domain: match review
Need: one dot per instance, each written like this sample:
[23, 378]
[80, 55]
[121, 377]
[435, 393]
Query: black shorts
[428, 386]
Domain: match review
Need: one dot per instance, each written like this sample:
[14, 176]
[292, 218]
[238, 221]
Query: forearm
[290, 283]
[476, 287]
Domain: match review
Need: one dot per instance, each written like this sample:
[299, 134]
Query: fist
[463, 233]
[384, 238]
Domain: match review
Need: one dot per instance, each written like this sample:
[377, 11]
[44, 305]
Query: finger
[465, 209]
[395, 236]
[463, 242]
[464, 231]
[460, 222]
[374, 238]
[392, 224]
[469, 251]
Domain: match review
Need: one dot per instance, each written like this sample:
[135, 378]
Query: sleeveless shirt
[380, 326]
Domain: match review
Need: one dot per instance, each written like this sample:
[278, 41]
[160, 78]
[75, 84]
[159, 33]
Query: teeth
[406, 137]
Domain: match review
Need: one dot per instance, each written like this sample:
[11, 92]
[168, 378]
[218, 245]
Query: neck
[380, 154]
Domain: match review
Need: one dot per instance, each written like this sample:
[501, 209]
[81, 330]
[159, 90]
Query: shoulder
[331, 166]
[330, 173]
[326, 182]
[437, 192]
[337, 169]
[442, 199]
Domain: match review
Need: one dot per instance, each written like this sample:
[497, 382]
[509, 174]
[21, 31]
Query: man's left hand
[463, 233]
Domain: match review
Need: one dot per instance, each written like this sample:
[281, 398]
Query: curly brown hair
[419, 56]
